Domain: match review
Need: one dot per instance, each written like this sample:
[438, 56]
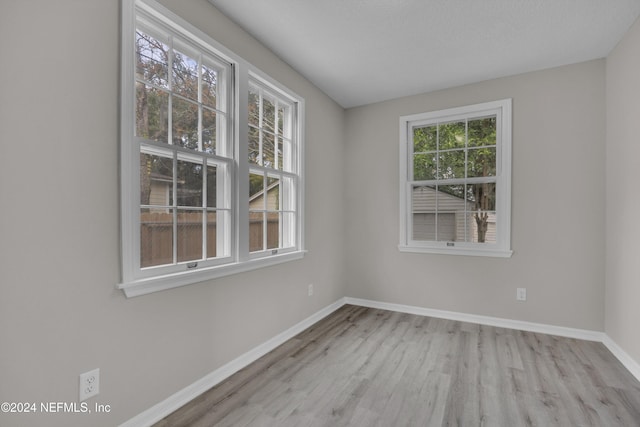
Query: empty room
[319, 213]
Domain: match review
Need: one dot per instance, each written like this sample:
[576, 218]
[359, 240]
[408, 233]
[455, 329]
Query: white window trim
[502, 248]
[269, 85]
[132, 282]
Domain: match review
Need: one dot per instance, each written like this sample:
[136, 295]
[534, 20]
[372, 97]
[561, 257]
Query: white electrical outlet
[521, 294]
[310, 289]
[89, 384]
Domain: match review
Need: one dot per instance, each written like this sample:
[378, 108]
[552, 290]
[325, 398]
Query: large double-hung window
[455, 180]
[211, 150]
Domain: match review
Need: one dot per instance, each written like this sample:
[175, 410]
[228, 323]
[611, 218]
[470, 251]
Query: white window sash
[502, 247]
[231, 160]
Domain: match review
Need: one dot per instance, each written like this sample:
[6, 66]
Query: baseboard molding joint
[624, 358]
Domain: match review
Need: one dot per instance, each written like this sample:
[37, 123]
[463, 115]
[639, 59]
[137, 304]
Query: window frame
[288, 176]
[221, 158]
[502, 248]
[135, 280]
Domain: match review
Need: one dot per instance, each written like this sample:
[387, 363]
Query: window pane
[482, 196]
[152, 113]
[185, 75]
[481, 220]
[481, 162]
[286, 146]
[209, 86]
[445, 214]
[424, 166]
[208, 131]
[438, 214]
[218, 233]
[273, 193]
[450, 197]
[185, 123]
[152, 57]
[482, 132]
[481, 227]
[284, 113]
[288, 227]
[256, 231]
[279, 158]
[288, 193]
[451, 135]
[256, 187]
[424, 226]
[423, 201]
[425, 139]
[268, 150]
[156, 237]
[189, 184]
[212, 234]
[451, 205]
[189, 237]
[254, 145]
[273, 230]
[268, 114]
[156, 180]
[446, 226]
[451, 164]
[254, 108]
[212, 186]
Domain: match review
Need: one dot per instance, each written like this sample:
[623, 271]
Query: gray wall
[623, 197]
[557, 205]
[60, 314]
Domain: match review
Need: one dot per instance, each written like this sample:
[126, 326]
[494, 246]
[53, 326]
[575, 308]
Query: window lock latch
[192, 265]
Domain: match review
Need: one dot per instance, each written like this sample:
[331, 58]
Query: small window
[455, 174]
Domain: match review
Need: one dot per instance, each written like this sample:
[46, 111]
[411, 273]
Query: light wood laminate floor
[369, 367]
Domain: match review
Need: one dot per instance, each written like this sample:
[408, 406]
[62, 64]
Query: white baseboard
[175, 401]
[483, 320]
[187, 394]
[632, 366]
[624, 358]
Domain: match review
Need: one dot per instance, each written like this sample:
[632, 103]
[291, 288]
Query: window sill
[495, 253]
[145, 286]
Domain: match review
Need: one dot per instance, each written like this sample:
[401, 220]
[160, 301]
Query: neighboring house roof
[256, 199]
[154, 176]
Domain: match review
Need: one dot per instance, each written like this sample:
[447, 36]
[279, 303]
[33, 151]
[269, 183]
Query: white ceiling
[364, 51]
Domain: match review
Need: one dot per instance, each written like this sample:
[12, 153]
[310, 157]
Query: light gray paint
[623, 198]
[557, 205]
[364, 51]
[60, 313]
